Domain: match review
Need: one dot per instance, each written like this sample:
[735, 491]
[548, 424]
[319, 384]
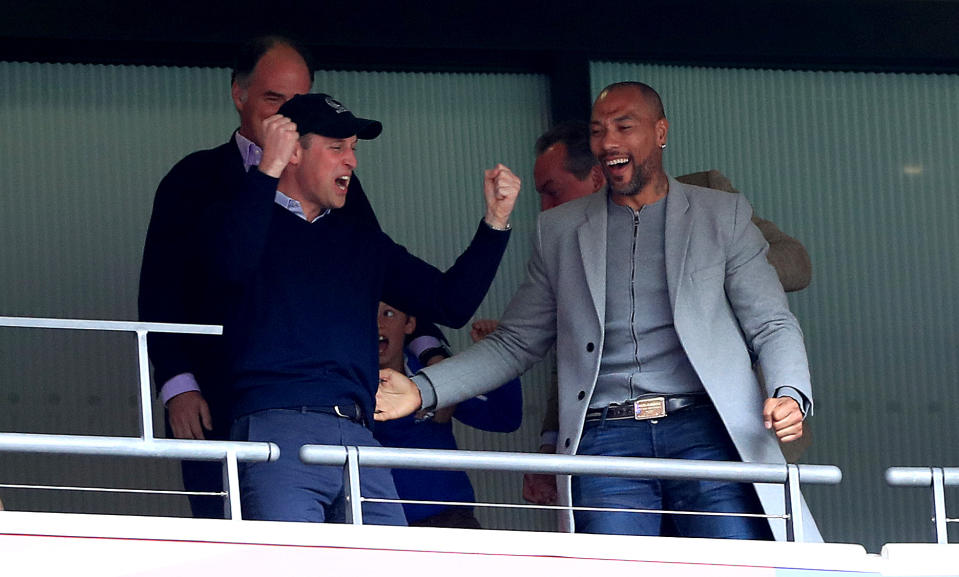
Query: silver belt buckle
[652, 408]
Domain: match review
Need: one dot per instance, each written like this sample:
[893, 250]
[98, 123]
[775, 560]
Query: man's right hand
[396, 397]
[278, 136]
[189, 415]
[540, 488]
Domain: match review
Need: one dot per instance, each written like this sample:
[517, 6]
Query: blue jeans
[693, 433]
[290, 490]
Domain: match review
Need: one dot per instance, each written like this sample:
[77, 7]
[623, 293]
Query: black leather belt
[351, 411]
[647, 407]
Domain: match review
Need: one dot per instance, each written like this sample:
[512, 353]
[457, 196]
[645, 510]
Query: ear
[410, 325]
[297, 157]
[239, 95]
[662, 129]
[597, 178]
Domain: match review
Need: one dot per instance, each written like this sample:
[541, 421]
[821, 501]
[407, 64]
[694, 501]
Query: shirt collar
[249, 151]
[294, 206]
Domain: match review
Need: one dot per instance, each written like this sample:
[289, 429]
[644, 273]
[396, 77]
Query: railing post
[940, 534]
[794, 524]
[146, 405]
[231, 483]
[351, 487]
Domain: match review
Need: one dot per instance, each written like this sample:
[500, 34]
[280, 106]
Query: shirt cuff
[796, 395]
[182, 383]
[427, 392]
[423, 343]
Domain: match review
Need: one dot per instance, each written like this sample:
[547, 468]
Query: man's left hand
[500, 187]
[783, 415]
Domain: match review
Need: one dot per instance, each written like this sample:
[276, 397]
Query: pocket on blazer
[704, 274]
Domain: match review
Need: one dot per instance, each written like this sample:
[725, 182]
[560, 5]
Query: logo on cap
[335, 105]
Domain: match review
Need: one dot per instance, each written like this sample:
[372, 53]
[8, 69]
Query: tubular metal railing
[229, 452]
[352, 458]
[936, 477]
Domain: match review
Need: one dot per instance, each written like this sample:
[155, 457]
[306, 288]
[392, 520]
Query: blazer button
[567, 443]
[589, 347]
[581, 395]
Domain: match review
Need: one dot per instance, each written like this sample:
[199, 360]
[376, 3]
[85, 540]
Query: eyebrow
[272, 94]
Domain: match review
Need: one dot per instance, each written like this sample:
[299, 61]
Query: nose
[600, 142]
[349, 159]
[607, 140]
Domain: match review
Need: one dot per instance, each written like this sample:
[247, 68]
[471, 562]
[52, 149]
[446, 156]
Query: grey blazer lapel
[592, 246]
[678, 230]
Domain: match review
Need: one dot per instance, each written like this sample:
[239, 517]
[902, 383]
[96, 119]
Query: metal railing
[936, 477]
[229, 452]
[352, 458]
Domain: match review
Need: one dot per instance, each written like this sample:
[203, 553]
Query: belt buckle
[652, 408]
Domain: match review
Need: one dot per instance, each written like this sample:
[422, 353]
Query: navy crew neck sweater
[300, 299]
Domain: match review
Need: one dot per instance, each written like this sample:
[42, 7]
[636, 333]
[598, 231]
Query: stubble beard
[642, 176]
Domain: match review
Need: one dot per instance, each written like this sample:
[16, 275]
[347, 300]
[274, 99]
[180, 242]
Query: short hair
[575, 135]
[306, 140]
[648, 93]
[252, 51]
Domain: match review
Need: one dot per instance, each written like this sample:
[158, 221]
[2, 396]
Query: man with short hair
[300, 285]
[656, 295]
[188, 369]
[565, 167]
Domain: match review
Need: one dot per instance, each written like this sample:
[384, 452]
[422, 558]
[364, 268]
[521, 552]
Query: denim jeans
[290, 490]
[693, 433]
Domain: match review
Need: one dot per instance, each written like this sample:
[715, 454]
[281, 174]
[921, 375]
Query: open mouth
[383, 344]
[616, 167]
[343, 183]
[620, 162]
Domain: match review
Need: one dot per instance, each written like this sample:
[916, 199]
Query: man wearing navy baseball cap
[300, 286]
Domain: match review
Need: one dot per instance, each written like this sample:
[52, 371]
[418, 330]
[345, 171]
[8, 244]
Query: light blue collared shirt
[295, 207]
[249, 151]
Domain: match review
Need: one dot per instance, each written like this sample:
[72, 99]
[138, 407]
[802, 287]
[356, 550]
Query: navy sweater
[300, 298]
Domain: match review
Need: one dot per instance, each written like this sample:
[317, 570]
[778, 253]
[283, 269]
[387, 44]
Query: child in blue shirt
[500, 410]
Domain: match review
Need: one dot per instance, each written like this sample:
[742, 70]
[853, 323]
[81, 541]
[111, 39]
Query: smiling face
[278, 76]
[555, 184]
[319, 173]
[627, 132]
[393, 327]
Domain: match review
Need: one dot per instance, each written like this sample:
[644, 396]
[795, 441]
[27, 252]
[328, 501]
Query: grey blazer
[727, 303]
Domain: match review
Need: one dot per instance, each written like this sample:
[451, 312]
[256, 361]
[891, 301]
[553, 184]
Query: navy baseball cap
[322, 114]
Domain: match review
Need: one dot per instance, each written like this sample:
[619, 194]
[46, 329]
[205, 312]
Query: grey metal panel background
[82, 148]
[862, 168]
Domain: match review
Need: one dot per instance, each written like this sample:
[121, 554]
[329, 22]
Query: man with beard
[656, 294]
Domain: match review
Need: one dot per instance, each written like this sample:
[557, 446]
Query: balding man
[656, 294]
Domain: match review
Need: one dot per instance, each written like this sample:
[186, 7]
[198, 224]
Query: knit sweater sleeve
[449, 297]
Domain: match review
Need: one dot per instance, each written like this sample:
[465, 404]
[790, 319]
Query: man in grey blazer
[658, 295]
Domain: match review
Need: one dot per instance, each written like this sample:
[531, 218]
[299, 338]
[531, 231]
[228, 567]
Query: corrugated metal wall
[860, 167]
[82, 149]
[863, 169]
